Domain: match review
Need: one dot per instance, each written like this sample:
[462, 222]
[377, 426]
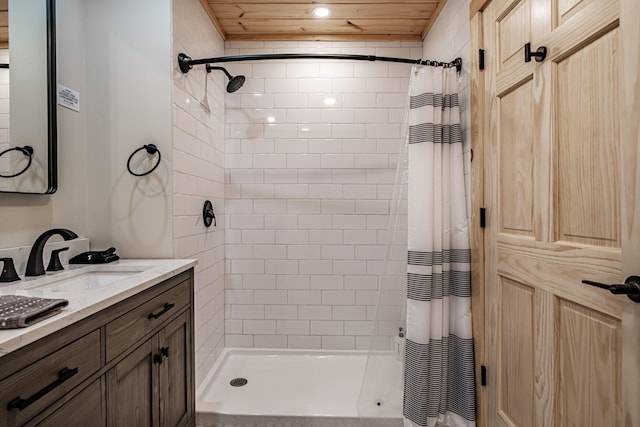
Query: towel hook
[540, 54]
[151, 150]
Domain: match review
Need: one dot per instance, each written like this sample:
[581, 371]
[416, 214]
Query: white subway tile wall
[310, 164]
[198, 175]
[300, 164]
[450, 37]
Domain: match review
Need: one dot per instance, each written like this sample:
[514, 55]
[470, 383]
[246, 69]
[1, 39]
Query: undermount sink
[78, 279]
[85, 281]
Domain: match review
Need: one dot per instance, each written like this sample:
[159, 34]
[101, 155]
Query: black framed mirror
[28, 117]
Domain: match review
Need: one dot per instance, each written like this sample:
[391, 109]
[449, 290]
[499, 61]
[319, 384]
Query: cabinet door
[85, 409]
[176, 376]
[132, 389]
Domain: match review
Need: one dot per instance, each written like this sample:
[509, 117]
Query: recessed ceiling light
[321, 12]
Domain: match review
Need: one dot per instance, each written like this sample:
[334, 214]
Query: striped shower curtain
[439, 375]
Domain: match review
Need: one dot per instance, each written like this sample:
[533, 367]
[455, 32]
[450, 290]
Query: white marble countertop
[105, 285]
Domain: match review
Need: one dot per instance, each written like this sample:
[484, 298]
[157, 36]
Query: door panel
[516, 163]
[587, 144]
[514, 30]
[588, 345]
[516, 353]
[552, 192]
[565, 9]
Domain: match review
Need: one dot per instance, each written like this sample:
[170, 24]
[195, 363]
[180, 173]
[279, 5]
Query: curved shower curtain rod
[186, 62]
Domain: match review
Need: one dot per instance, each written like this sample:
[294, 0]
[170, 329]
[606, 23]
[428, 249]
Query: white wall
[449, 38]
[128, 100]
[117, 54]
[308, 192]
[198, 174]
[24, 217]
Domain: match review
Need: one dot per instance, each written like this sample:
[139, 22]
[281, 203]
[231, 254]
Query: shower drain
[238, 382]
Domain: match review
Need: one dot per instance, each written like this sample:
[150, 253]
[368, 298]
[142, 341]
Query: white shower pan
[299, 388]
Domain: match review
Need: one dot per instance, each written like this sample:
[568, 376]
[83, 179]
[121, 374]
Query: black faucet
[35, 265]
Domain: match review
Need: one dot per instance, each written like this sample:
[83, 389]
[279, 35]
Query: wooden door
[132, 390]
[560, 210]
[630, 212]
[176, 379]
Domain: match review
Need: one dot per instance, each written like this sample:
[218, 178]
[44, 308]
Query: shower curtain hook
[416, 69]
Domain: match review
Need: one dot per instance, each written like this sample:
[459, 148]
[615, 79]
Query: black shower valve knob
[208, 216]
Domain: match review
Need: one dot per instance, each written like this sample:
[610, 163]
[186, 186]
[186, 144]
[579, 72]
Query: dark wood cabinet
[131, 364]
[153, 385]
[30, 390]
[86, 408]
[176, 372]
[132, 386]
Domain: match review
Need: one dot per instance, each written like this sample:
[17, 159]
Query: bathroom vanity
[121, 353]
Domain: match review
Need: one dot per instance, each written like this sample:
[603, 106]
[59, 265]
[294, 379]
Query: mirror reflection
[27, 96]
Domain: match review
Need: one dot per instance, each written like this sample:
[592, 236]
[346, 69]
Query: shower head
[234, 84]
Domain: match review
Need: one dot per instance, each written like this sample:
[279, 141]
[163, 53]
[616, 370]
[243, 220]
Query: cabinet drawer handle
[168, 306]
[63, 375]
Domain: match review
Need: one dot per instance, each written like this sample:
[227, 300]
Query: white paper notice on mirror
[68, 98]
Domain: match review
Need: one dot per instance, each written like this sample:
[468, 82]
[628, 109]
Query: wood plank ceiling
[348, 19]
[4, 24]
